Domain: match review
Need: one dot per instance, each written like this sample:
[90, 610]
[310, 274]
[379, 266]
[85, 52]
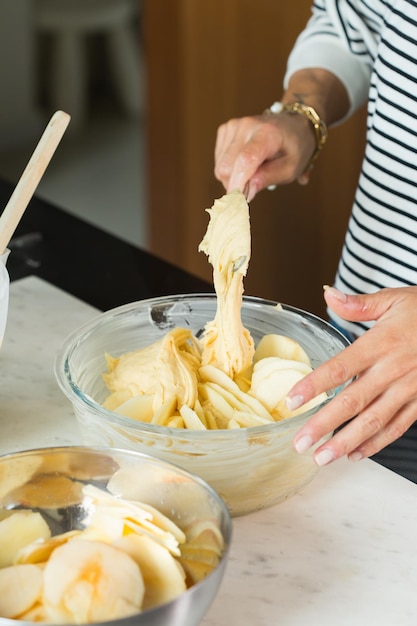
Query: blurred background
[86, 57]
[147, 83]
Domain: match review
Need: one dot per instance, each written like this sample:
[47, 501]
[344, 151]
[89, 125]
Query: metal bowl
[27, 481]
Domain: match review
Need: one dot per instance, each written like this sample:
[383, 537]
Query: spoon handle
[31, 176]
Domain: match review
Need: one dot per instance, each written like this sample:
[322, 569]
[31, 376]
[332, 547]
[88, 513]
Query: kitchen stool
[69, 23]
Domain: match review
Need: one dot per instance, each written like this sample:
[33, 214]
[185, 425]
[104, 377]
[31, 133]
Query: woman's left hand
[381, 403]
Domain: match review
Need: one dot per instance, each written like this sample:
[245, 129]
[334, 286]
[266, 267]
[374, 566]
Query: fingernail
[355, 456]
[338, 295]
[294, 402]
[324, 457]
[246, 190]
[303, 180]
[303, 444]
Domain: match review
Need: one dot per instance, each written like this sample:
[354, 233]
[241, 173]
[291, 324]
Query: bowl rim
[73, 392]
[226, 530]
[134, 454]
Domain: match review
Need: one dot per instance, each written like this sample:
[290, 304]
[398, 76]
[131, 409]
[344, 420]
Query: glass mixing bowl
[49, 481]
[251, 468]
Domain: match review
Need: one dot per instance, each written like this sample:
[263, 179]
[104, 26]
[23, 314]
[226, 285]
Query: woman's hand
[252, 153]
[381, 403]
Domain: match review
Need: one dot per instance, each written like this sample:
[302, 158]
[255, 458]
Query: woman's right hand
[252, 153]
[255, 152]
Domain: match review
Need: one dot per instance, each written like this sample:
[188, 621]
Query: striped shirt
[371, 46]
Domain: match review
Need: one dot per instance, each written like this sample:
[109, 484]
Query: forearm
[321, 90]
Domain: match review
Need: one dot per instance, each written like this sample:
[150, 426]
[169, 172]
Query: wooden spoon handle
[31, 176]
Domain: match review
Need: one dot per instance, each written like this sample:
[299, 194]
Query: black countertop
[106, 272]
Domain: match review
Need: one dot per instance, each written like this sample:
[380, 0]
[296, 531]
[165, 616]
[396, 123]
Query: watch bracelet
[319, 126]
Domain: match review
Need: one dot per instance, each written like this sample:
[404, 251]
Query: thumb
[358, 308]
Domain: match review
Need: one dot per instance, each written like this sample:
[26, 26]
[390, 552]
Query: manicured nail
[294, 402]
[324, 457]
[338, 295]
[355, 456]
[303, 444]
[303, 180]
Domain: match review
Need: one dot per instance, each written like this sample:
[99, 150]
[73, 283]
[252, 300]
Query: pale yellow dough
[227, 344]
[164, 370]
[218, 381]
[168, 369]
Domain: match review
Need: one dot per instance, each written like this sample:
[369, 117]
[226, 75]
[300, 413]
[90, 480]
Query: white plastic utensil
[4, 294]
[31, 177]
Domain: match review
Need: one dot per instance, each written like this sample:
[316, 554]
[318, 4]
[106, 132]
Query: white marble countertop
[343, 552]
